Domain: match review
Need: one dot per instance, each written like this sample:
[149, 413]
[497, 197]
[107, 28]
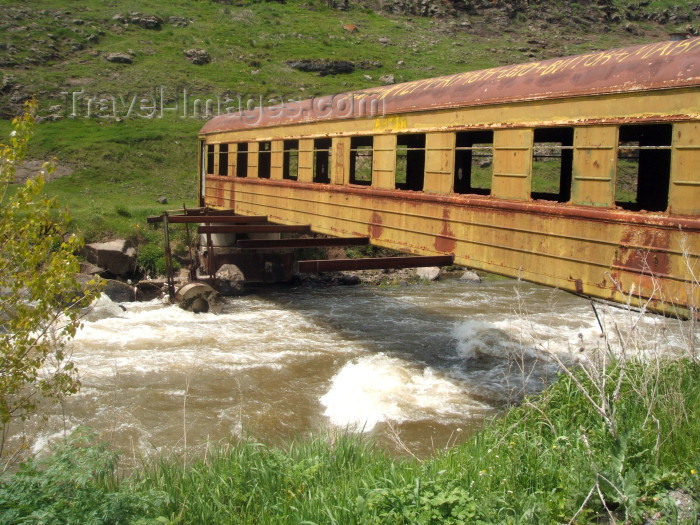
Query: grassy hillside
[122, 162]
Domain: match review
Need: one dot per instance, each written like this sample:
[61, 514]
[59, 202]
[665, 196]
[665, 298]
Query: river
[417, 366]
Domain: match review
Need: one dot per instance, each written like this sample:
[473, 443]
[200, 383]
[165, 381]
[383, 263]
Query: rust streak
[375, 227]
[445, 242]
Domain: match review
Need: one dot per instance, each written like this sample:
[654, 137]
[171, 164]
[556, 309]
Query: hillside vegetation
[101, 72]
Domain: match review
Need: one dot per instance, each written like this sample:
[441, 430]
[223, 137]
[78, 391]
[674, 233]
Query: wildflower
[692, 471]
[14, 133]
[482, 472]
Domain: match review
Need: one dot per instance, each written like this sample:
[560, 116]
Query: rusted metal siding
[277, 160]
[604, 254]
[684, 193]
[253, 158]
[630, 108]
[232, 159]
[512, 164]
[341, 161]
[595, 161]
[384, 162]
[306, 160]
[439, 162]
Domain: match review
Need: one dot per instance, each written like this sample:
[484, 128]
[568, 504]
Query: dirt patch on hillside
[31, 168]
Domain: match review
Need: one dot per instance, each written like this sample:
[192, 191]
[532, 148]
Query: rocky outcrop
[139, 19]
[117, 257]
[198, 57]
[322, 66]
[119, 58]
[178, 21]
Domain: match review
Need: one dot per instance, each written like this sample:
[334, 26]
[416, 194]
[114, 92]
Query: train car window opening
[290, 164]
[242, 160]
[410, 162]
[264, 159]
[322, 160]
[643, 167]
[223, 159]
[210, 159]
[473, 162]
[552, 164]
[361, 160]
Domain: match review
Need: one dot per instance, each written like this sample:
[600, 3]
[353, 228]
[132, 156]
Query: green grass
[537, 463]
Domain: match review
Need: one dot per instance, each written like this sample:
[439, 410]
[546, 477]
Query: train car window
[643, 167]
[361, 160]
[410, 162]
[210, 159]
[223, 159]
[242, 160]
[552, 164]
[322, 160]
[264, 159]
[473, 162]
[290, 169]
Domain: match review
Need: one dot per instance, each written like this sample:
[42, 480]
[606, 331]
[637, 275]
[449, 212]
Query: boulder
[178, 21]
[148, 290]
[470, 277]
[117, 257]
[198, 57]
[323, 66]
[145, 21]
[118, 291]
[431, 273]
[349, 280]
[387, 79]
[369, 64]
[119, 58]
[90, 269]
[230, 280]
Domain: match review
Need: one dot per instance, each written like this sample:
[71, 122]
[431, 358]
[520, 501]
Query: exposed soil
[31, 168]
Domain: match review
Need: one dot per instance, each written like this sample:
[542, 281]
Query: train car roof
[656, 66]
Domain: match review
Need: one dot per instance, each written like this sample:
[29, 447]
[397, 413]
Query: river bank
[551, 460]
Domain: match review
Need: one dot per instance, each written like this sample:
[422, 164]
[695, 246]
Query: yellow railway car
[581, 173]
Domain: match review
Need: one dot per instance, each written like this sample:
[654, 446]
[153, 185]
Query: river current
[416, 366]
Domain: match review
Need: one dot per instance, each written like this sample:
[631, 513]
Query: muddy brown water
[424, 364]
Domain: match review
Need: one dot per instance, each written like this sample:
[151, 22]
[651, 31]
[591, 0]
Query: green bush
[77, 484]
[151, 259]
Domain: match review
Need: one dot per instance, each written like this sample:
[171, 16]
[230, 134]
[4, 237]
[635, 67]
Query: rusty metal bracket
[374, 263]
[255, 228]
[301, 243]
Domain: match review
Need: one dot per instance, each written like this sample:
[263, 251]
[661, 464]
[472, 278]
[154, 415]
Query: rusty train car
[581, 173]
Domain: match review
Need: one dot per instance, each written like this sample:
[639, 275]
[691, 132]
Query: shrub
[76, 484]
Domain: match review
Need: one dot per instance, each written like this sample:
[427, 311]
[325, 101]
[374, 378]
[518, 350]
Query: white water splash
[379, 388]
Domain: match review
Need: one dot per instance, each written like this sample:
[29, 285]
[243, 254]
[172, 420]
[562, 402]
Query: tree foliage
[40, 297]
